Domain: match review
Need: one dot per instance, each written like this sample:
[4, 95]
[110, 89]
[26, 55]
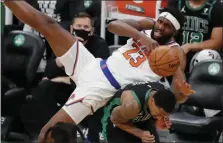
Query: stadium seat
[23, 52]
[206, 79]
[23, 55]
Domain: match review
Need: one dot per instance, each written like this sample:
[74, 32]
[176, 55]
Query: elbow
[113, 120]
[110, 26]
[219, 45]
[216, 44]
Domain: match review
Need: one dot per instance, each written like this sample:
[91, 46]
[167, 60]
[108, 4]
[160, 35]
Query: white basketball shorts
[93, 90]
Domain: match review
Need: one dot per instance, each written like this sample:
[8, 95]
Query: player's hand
[148, 42]
[167, 121]
[146, 137]
[183, 87]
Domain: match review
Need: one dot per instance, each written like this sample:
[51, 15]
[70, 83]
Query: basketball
[164, 60]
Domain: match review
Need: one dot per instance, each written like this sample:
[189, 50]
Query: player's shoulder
[150, 85]
[176, 46]
[137, 84]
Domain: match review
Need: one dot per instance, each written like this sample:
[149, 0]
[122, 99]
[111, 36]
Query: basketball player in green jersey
[203, 25]
[129, 117]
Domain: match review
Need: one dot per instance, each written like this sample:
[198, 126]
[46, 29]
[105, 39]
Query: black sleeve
[102, 49]
[217, 14]
[173, 3]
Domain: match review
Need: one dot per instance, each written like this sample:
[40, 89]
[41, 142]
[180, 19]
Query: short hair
[176, 13]
[165, 99]
[63, 133]
[83, 15]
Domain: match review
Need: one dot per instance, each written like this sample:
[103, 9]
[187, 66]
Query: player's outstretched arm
[60, 116]
[181, 88]
[59, 39]
[129, 27]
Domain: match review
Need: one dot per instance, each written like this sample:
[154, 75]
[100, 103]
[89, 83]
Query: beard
[162, 40]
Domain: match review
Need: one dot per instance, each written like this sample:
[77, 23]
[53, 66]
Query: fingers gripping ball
[164, 60]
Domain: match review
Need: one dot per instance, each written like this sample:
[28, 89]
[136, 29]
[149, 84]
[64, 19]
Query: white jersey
[129, 64]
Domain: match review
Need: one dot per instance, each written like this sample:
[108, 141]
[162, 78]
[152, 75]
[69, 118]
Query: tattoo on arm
[122, 115]
[125, 112]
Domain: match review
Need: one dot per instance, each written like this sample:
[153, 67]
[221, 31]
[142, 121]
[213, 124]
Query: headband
[171, 18]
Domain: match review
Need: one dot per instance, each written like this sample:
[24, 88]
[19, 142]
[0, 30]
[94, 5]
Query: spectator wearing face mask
[83, 28]
[56, 86]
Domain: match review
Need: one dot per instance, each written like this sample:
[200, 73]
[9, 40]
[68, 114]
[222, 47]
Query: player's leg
[82, 102]
[75, 59]
[59, 39]
[94, 126]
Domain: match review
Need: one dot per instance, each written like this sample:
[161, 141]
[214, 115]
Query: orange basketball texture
[164, 60]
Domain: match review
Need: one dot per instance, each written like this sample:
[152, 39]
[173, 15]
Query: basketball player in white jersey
[96, 80]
